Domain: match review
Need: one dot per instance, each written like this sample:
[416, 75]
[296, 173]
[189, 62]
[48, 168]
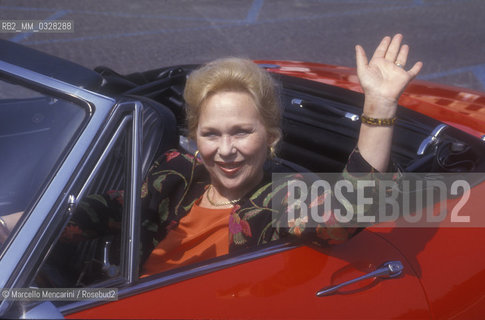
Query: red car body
[444, 268]
[458, 107]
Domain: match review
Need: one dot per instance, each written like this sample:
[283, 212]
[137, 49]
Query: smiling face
[232, 142]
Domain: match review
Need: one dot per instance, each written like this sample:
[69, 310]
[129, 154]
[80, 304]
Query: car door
[277, 281]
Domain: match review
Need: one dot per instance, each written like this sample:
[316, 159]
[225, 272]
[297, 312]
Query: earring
[196, 154]
[272, 152]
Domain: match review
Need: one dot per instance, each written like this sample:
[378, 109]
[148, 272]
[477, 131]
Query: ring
[399, 65]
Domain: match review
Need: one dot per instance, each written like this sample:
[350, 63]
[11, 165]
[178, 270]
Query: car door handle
[389, 269]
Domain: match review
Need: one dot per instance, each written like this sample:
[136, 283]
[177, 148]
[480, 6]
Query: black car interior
[320, 124]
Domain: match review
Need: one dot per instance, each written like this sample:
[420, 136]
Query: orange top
[200, 235]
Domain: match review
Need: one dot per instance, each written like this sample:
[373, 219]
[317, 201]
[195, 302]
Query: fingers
[382, 48]
[413, 72]
[360, 57]
[390, 50]
[393, 51]
[394, 48]
[402, 57]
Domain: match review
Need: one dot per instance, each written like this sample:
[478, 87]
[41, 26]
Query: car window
[89, 250]
[36, 130]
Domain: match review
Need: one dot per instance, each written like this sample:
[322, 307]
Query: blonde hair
[234, 74]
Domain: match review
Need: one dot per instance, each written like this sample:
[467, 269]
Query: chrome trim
[71, 204]
[131, 245]
[351, 116]
[104, 155]
[110, 270]
[135, 198]
[431, 139]
[391, 269]
[297, 102]
[207, 268]
[71, 200]
[28, 240]
[53, 84]
[438, 130]
[483, 137]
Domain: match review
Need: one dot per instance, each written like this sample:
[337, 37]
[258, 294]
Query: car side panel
[449, 260]
[284, 286]
[458, 107]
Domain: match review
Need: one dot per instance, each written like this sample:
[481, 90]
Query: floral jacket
[176, 180]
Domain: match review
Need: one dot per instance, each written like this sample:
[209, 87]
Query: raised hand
[384, 77]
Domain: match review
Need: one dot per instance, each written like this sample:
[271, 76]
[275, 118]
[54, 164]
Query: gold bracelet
[375, 122]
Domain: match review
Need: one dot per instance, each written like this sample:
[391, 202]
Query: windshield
[35, 131]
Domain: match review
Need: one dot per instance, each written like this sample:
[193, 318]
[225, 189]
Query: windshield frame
[21, 246]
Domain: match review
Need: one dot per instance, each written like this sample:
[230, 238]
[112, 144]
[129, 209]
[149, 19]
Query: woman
[233, 116]
[191, 207]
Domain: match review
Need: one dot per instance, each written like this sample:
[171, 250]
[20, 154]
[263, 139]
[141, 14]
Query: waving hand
[383, 80]
[384, 77]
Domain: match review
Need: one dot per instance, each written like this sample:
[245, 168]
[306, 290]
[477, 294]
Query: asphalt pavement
[128, 36]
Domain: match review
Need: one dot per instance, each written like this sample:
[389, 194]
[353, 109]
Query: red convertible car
[67, 133]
